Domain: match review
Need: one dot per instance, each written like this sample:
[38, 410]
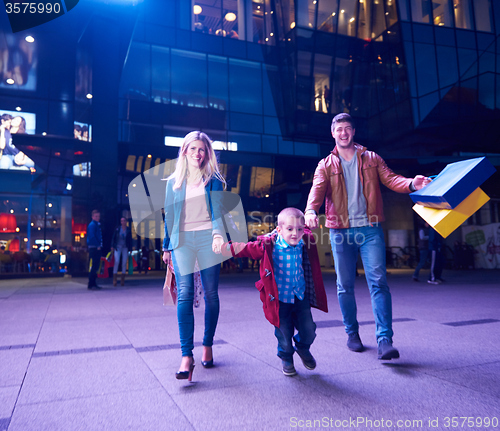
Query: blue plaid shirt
[288, 271]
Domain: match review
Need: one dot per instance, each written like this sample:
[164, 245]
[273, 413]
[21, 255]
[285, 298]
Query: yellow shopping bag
[446, 221]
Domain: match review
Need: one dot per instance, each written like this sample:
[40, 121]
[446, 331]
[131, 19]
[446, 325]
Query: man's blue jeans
[369, 242]
[196, 245]
[297, 315]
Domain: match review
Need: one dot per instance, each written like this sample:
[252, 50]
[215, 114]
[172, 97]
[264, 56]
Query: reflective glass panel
[230, 17]
[306, 11]
[378, 12]
[364, 19]
[245, 86]
[207, 16]
[463, 15]
[421, 11]
[347, 17]
[327, 15]
[217, 82]
[483, 15]
[391, 12]
[189, 78]
[258, 27]
[270, 32]
[322, 90]
[443, 13]
[403, 10]
[160, 74]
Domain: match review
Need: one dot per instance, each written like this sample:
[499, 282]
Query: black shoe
[307, 359]
[415, 278]
[288, 368]
[186, 375]
[386, 351]
[208, 364]
[354, 342]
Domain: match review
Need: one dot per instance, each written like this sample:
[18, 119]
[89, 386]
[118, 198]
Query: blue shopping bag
[455, 183]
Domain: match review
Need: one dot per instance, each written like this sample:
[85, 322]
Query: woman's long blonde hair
[210, 166]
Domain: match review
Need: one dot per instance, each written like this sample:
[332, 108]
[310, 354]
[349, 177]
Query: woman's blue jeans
[196, 245]
[369, 242]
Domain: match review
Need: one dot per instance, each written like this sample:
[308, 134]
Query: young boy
[290, 284]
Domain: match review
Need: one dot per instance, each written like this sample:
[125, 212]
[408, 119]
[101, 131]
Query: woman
[193, 233]
[120, 246]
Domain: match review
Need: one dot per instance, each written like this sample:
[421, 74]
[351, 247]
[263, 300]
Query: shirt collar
[283, 244]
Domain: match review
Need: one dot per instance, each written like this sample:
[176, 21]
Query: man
[94, 245]
[349, 180]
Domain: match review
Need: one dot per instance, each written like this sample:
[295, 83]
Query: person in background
[94, 245]
[436, 250]
[423, 248]
[121, 244]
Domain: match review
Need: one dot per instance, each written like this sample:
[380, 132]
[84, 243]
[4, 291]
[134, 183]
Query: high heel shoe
[210, 363]
[183, 375]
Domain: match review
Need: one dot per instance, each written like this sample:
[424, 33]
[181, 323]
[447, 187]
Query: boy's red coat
[263, 249]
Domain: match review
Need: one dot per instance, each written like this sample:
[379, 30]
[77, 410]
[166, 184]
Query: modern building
[107, 91]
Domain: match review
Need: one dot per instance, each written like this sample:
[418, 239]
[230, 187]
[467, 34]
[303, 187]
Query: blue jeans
[369, 241]
[297, 315]
[95, 256]
[195, 245]
[424, 254]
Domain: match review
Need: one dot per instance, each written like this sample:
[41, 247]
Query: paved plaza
[73, 359]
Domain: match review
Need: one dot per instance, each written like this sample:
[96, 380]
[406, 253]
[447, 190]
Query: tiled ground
[73, 359]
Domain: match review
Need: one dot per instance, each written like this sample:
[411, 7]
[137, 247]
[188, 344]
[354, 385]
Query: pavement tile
[14, 364]
[63, 377]
[8, 397]
[76, 334]
[145, 410]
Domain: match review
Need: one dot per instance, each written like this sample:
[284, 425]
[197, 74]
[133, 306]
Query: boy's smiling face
[292, 230]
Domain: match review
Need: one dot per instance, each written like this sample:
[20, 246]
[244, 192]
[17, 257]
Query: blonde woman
[193, 233]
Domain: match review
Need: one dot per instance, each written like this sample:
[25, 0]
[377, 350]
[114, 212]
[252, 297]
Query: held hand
[420, 181]
[166, 257]
[217, 244]
[312, 221]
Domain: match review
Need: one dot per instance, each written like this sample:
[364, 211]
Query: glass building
[105, 92]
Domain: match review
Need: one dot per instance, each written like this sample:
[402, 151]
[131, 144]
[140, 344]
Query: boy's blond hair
[290, 212]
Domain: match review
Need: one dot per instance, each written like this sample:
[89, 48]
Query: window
[347, 18]
[483, 15]
[189, 78]
[327, 15]
[463, 14]
[245, 86]
[219, 17]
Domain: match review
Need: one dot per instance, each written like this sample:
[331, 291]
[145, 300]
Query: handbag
[170, 286]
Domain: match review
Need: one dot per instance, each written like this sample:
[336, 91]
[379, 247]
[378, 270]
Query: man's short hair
[290, 212]
[95, 212]
[342, 118]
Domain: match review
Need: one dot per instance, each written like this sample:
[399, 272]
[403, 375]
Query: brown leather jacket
[329, 181]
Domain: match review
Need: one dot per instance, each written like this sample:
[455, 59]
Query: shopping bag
[131, 264]
[455, 183]
[445, 221]
[102, 272]
[170, 286]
